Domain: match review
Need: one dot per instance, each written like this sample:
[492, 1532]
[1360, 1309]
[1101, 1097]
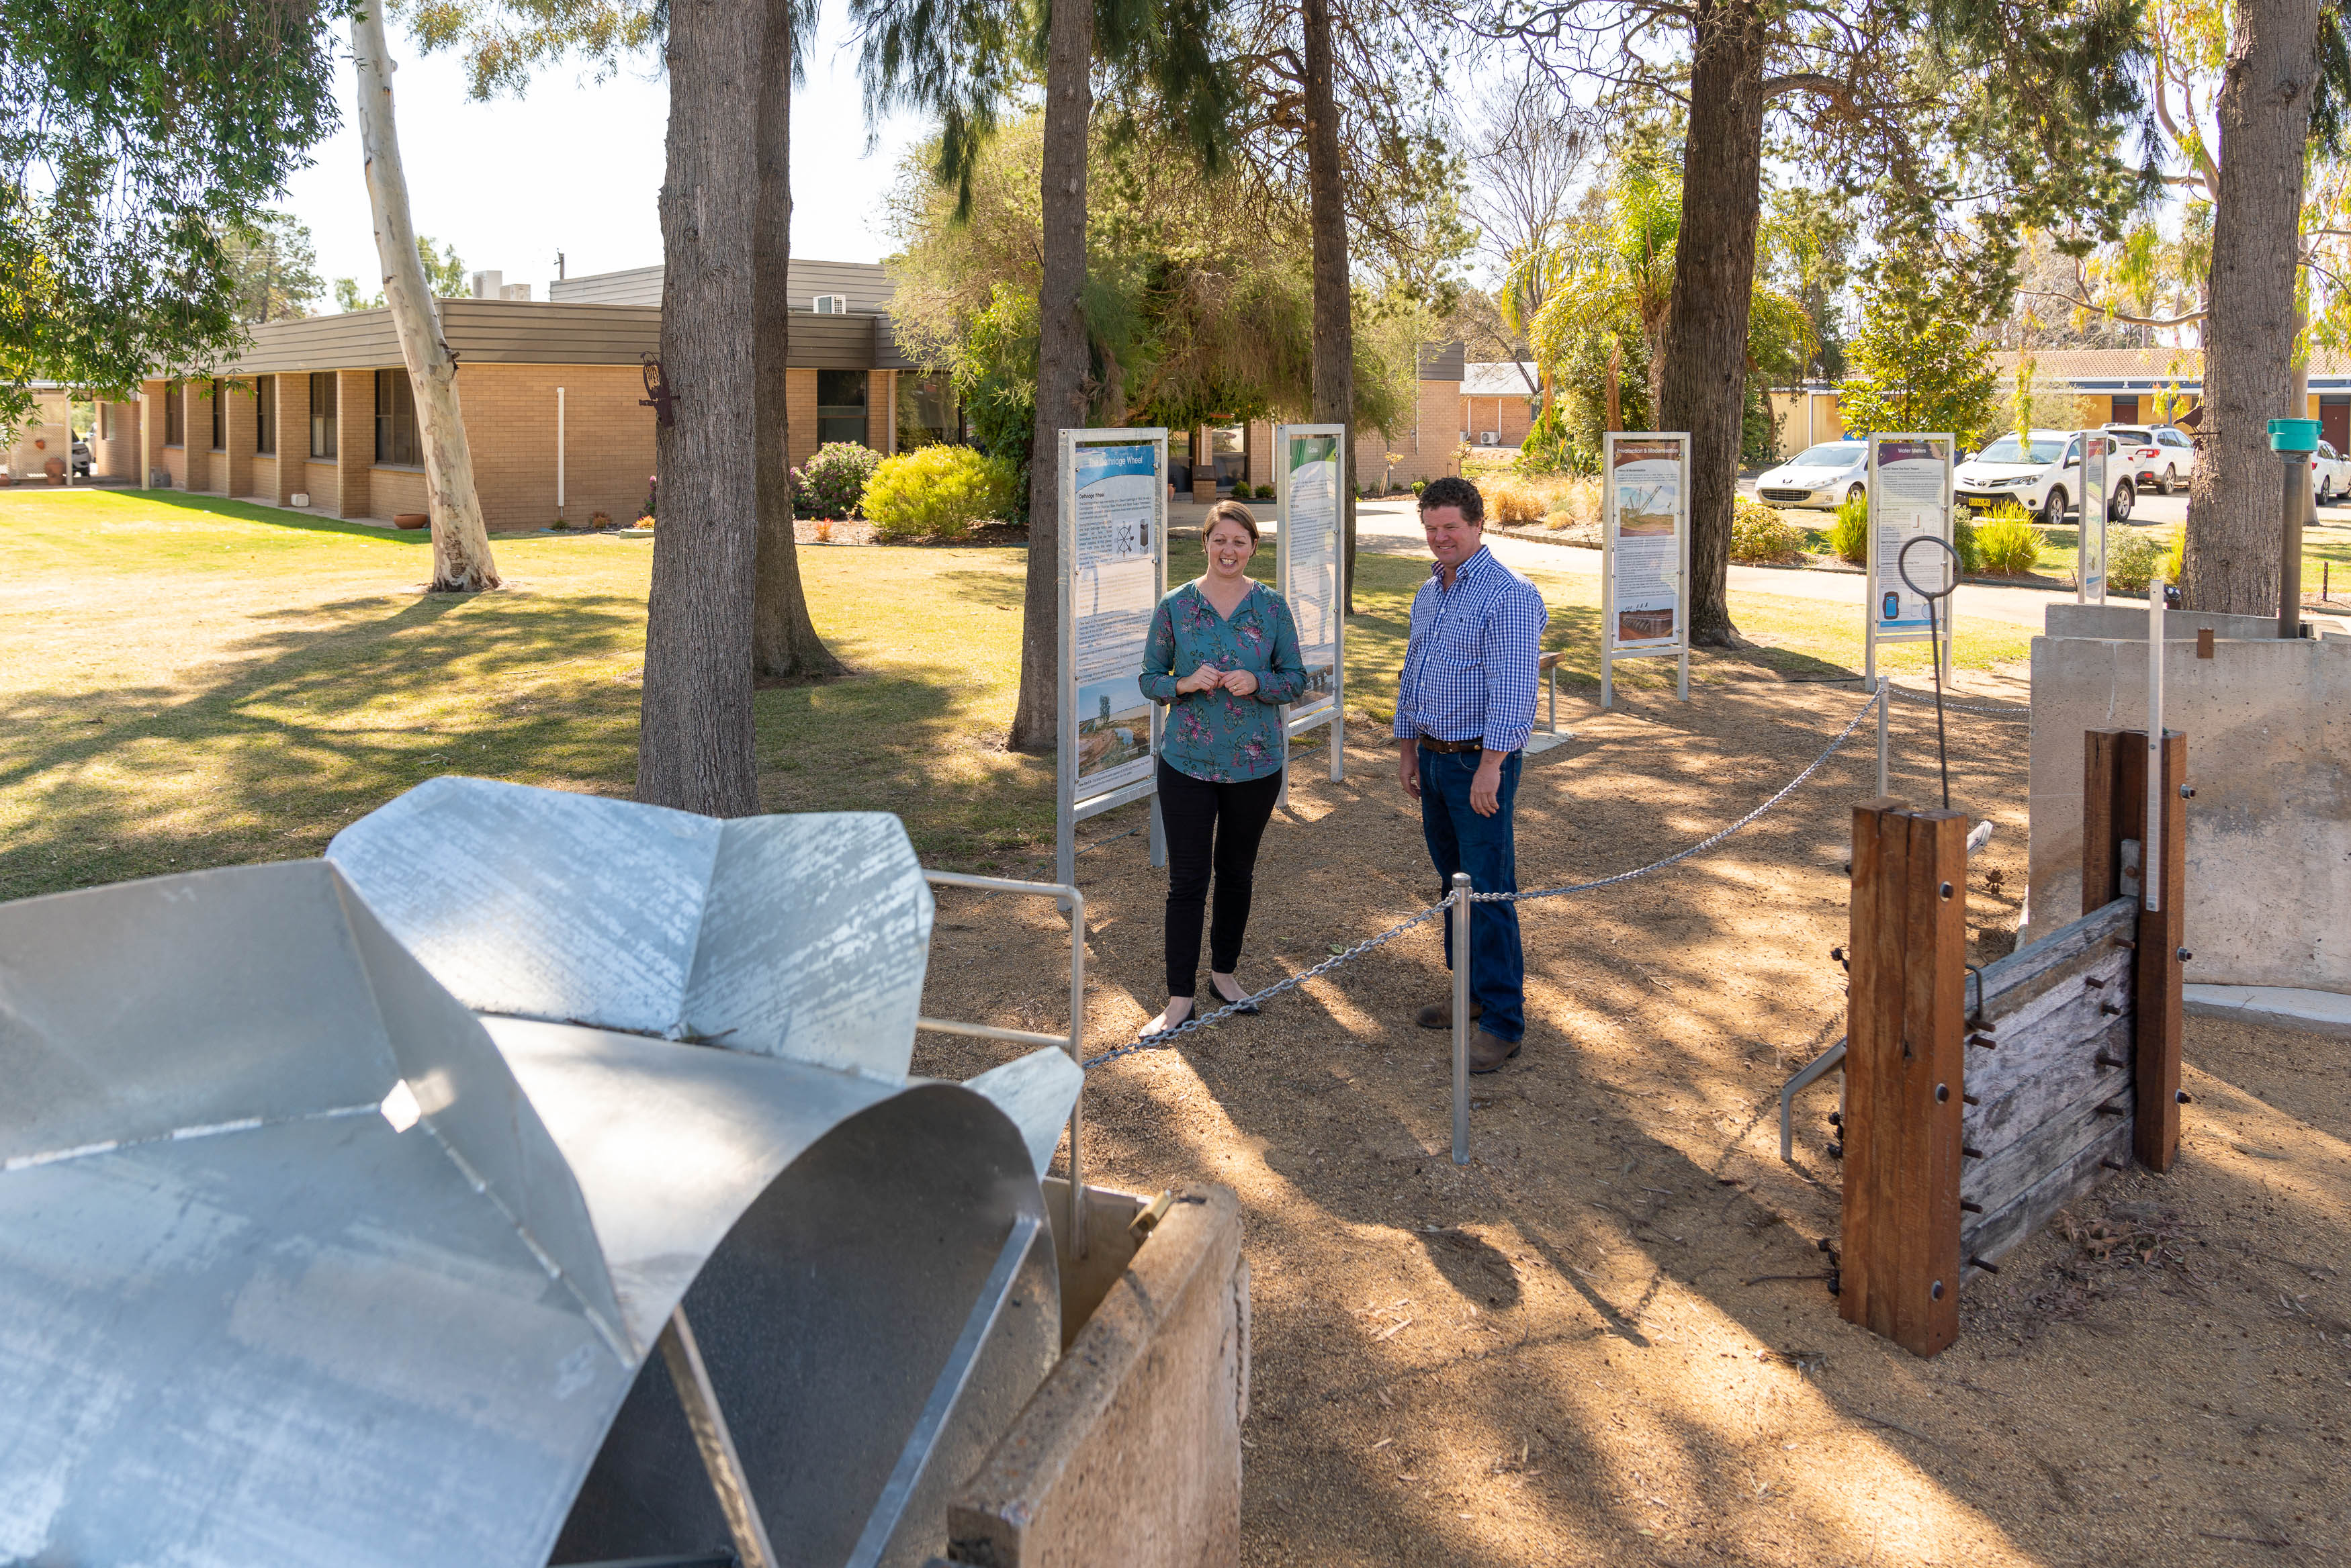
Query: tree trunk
[1616, 395]
[783, 639]
[1061, 362]
[694, 748]
[462, 562]
[2233, 523]
[1703, 387]
[1334, 323]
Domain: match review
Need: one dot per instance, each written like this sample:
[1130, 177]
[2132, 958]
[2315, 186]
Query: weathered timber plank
[2049, 1026]
[1872, 1033]
[1933, 1027]
[2069, 1117]
[2055, 1080]
[2101, 834]
[2159, 975]
[2012, 983]
[1990, 1235]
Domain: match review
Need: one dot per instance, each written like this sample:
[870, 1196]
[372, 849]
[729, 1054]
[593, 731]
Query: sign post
[1309, 489]
[1113, 537]
[1645, 552]
[2090, 571]
[1909, 495]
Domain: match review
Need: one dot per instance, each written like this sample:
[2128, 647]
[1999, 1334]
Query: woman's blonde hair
[1228, 512]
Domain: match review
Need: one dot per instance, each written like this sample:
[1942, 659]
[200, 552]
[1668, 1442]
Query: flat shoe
[1241, 1005]
[1488, 1052]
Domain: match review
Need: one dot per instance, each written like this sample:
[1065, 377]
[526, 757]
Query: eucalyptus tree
[968, 62]
[1945, 110]
[137, 141]
[505, 44]
[1527, 162]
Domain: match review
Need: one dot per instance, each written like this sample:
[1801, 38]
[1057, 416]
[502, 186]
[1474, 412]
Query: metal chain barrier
[1166, 1038]
[2018, 715]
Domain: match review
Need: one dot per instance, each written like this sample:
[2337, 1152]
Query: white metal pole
[1459, 916]
[558, 452]
[1157, 836]
[2150, 838]
[1681, 590]
[1065, 764]
[1607, 570]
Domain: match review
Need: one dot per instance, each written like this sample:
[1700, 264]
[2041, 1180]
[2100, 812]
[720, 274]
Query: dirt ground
[1586, 1347]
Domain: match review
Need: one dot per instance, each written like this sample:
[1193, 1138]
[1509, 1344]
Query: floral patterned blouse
[1216, 736]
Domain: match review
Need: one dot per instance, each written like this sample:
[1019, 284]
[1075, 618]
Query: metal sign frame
[1679, 646]
[2097, 482]
[1070, 809]
[1872, 633]
[1333, 712]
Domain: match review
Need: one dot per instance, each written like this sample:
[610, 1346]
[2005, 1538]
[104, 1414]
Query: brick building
[1498, 398]
[1243, 449]
[323, 407]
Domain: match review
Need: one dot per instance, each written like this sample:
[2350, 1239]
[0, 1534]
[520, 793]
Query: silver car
[1826, 476]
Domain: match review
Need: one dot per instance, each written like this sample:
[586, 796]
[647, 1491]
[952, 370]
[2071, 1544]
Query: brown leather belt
[1430, 742]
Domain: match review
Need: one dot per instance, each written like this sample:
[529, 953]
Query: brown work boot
[1439, 1015]
[1488, 1052]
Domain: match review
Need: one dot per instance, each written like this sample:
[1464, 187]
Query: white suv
[2160, 457]
[2330, 475]
[2042, 475]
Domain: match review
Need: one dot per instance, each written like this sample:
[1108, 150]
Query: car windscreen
[2008, 448]
[1831, 454]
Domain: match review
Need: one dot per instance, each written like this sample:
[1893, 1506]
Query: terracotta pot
[412, 520]
[56, 468]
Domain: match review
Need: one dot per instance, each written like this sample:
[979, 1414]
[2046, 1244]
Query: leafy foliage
[2010, 544]
[938, 491]
[1918, 361]
[1849, 534]
[1759, 536]
[276, 268]
[137, 138]
[444, 273]
[833, 482]
[2131, 561]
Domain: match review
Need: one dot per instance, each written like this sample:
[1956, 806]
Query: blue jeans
[1461, 840]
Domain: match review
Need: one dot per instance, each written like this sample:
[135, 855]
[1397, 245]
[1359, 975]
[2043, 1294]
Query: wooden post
[1903, 1071]
[2114, 804]
[2155, 1071]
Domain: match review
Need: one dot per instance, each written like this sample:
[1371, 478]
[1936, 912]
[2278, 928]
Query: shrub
[1418, 485]
[2130, 561]
[2010, 544]
[833, 483]
[1761, 537]
[1849, 534]
[2175, 560]
[936, 490]
[1963, 539]
[1511, 504]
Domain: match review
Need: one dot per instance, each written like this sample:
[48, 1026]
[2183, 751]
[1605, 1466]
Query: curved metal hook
[1902, 566]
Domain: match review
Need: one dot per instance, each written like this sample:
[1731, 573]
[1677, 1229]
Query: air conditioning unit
[832, 304]
[1489, 437]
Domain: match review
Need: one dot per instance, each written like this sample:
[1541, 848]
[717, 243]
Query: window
[264, 415]
[927, 414]
[395, 419]
[322, 414]
[2170, 437]
[175, 413]
[840, 405]
[832, 304]
[220, 411]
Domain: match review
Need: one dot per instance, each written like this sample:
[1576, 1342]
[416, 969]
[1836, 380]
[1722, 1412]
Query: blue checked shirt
[1470, 667]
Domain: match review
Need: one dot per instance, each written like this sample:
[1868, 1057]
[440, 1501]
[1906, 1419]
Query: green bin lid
[2294, 435]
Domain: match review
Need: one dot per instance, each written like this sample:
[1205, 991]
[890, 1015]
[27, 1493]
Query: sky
[576, 166]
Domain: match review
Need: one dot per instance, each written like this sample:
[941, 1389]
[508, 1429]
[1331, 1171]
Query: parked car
[1825, 476]
[2160, 457]
[2330, 474]
[2043, 474]
[81, 457]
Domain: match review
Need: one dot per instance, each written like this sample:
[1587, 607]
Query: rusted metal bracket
[658, 396]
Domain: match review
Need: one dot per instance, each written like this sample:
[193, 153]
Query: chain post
[1462, 905]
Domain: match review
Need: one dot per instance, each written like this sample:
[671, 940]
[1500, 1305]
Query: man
[1465, 706]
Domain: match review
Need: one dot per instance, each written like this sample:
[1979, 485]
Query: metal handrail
[1066, 898]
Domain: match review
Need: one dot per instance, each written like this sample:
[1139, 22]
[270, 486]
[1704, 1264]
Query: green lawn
[188, 682]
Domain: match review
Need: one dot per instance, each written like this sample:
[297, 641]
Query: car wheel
[2170, 480]
[2125, 496]
[1859, 493]
[2053, 510]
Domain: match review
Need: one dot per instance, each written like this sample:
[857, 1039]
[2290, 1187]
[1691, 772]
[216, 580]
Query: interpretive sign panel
[1310, 488]
[2090, 572]
[1909, 478]
[1645, 551]
[1113, 528]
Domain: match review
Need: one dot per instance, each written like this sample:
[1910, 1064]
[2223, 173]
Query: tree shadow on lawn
[312, 725]
[297, 521]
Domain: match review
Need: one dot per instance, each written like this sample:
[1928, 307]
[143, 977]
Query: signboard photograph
[1113, 538]
[1310, 490]
[1644, 542]
[1909, 495]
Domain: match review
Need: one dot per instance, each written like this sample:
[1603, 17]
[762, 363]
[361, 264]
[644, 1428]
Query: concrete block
[2269, 754]
[1130, 1452]
[2280, 1007]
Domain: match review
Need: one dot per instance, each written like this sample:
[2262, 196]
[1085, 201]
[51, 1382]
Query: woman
[1221, 751]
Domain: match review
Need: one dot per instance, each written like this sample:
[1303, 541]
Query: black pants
[1210, 826]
